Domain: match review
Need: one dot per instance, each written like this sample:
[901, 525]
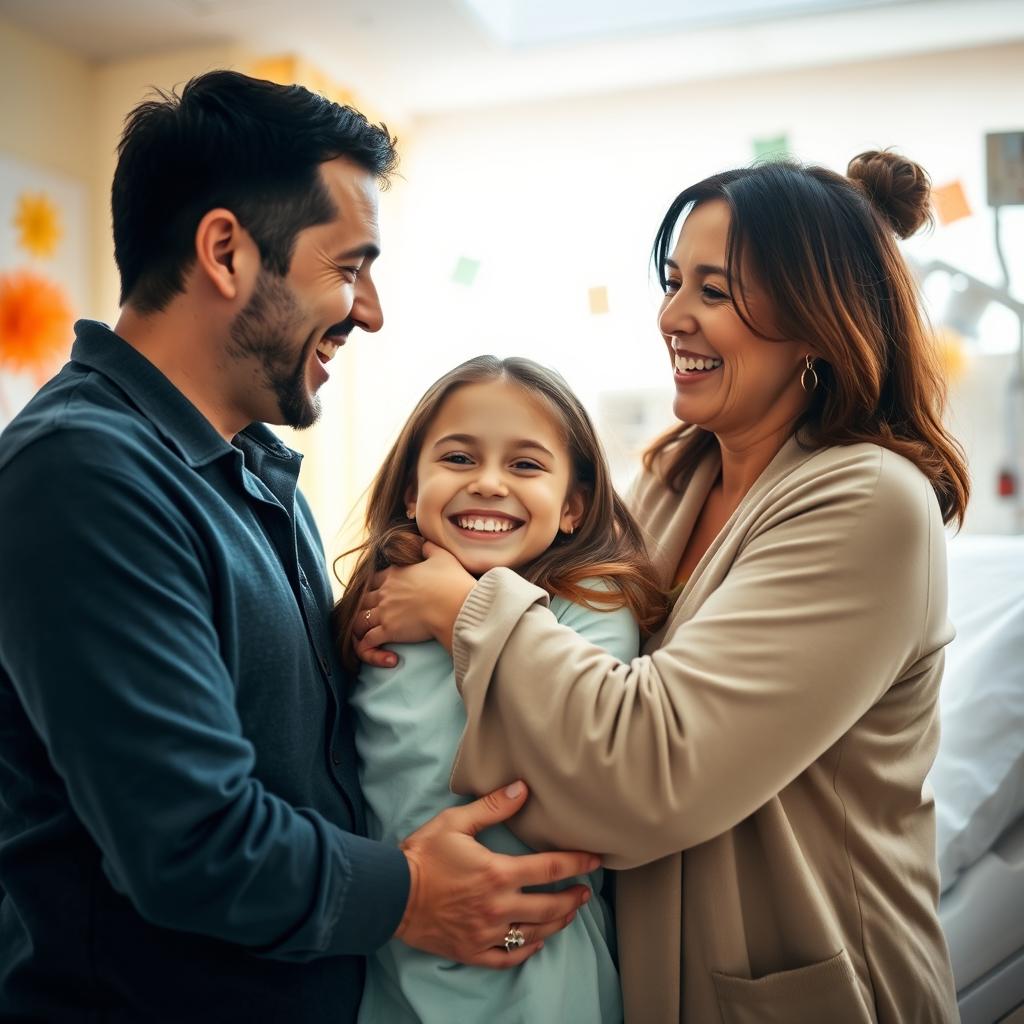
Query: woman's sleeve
[823, 608]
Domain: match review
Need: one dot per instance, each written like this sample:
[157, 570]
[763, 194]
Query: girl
[498, 464]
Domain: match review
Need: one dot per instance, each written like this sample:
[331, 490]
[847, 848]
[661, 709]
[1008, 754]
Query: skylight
[538, 22]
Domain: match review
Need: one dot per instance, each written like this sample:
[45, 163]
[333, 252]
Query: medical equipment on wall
[969, 297]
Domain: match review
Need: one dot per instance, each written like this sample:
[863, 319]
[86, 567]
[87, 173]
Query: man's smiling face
[292, 326]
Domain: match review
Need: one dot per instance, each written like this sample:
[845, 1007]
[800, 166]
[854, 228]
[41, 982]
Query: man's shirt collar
[173, 415]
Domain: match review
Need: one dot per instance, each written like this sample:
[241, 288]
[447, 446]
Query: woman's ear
[226, 255]
[572, 511]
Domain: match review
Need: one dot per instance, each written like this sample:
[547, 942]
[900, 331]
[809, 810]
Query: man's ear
[226, 255]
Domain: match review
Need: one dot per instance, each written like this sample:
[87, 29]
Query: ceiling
[423, 56]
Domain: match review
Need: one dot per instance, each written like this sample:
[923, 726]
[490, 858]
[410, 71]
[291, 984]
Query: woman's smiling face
[493, 477]
[728, 379]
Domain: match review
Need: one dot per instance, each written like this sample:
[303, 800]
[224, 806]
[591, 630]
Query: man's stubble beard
[261, 331]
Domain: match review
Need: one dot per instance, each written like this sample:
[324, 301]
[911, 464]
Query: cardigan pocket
[825, 991]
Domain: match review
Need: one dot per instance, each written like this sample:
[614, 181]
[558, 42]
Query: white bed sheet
[978, 776]
[983, 917]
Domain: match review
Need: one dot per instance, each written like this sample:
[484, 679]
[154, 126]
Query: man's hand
[411, 604]
[463, 898]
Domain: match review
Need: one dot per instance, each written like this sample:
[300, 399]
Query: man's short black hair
[229, 141]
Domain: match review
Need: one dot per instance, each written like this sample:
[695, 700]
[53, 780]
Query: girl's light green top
[409, 721]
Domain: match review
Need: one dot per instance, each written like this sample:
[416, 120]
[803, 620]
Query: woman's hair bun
[899, 189]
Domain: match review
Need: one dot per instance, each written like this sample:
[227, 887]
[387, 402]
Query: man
[180, 822]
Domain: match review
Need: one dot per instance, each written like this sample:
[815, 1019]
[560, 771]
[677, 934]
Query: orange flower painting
[35, 322]
[38, 224]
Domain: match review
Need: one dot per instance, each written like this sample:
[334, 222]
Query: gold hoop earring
[809, 368]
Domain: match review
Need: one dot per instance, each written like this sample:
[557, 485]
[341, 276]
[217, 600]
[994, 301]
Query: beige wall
[47, 114]
[47, 102]
[48, 98]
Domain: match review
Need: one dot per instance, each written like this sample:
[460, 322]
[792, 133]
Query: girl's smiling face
[493, 477]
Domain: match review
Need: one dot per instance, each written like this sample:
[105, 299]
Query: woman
[760, 768]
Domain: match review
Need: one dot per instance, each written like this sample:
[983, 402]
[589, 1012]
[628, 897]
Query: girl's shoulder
[564, 606]
[614, 629]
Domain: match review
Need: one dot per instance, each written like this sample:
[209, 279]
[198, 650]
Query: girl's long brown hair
[824, 247]
[606, 545]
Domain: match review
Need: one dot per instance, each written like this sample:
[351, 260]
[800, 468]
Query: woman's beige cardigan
[777, 731]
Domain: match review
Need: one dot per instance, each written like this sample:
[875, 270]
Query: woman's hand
[411, 604]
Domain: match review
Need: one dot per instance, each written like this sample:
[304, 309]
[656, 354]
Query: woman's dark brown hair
[824, 248]
[605, 545]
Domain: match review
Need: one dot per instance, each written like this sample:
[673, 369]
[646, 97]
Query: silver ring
[514, 938]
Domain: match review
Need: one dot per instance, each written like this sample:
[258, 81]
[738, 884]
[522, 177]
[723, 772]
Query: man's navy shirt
[179, 805]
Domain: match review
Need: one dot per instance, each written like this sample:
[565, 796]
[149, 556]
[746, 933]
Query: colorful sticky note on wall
[952, 353]
[465, 271]
[950, 202]
[598, 300]
[771, 146]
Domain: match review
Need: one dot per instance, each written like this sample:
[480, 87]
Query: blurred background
[541, 142]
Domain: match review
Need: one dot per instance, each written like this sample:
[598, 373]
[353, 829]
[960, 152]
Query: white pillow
[978, 776]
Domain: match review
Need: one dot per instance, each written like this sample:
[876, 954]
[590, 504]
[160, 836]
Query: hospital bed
[978, 778]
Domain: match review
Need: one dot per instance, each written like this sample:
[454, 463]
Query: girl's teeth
[487, 525]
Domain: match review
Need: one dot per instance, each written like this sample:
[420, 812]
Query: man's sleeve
[107, 632]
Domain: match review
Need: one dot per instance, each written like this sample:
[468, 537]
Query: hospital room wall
[47, 117]
[559, 197]
[554, 199]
